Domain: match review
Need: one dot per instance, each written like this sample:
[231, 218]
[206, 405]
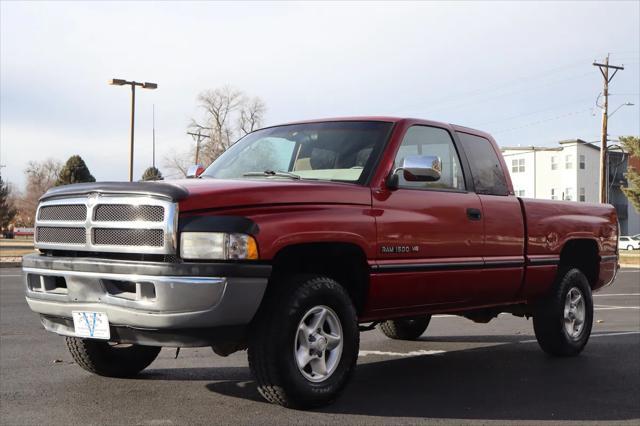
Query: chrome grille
[64, 235]
[69, 212]
[128, 213]
[128, 237]
[108, 223]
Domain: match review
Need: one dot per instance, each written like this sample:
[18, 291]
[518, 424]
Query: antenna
[154, 135]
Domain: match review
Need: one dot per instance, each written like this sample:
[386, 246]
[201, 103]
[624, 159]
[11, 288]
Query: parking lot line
[401, 354]
[616, 294]
[610, 307]
[621, 333]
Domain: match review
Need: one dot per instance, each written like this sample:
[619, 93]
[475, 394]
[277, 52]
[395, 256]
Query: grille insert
[68, 212]
[60, 235]
[128, 213]
[128, 237]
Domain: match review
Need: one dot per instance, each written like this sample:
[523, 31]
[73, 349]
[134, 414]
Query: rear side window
[488, 176]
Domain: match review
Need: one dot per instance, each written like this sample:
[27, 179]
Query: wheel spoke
[319, 320]
[575, 300]
[319, 366]
[303, 357]
[304, 332]
[333, 340]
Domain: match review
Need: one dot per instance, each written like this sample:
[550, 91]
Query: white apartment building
[570, 171]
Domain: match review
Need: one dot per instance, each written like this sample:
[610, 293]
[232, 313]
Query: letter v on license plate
[94, 325]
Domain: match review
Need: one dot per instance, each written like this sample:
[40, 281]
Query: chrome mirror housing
[417, 168]
[421, 168]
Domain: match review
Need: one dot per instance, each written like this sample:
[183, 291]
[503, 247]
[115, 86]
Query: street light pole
[133, 84]
[133, 120]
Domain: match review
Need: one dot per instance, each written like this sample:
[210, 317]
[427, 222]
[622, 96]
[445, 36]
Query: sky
[519, 70]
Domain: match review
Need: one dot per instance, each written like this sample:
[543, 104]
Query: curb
[10, 264]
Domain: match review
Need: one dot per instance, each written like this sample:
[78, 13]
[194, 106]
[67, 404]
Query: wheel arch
[582, 253]
[344, 262]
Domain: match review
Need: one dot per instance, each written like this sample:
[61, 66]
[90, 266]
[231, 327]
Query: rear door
[504, 232]
[430, 234]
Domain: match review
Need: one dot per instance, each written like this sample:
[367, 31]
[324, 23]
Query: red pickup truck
[302, 235]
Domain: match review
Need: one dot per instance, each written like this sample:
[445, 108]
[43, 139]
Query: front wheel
[630, 248]
[110, 359]
[562, 321]
[304, 342]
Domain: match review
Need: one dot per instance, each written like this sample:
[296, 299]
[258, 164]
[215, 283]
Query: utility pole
[198, 137]
[604, 70]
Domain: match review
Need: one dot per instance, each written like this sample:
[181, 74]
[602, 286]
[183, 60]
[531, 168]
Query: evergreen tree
[7, 211]
[74, 171]
[152, 173]
[631, 145]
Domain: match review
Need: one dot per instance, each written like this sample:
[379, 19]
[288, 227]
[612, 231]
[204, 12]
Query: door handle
[474, 214]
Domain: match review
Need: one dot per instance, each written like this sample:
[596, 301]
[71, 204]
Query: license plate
[91, 324]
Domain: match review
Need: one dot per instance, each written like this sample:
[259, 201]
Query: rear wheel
[110, 359]
[629, 247]
[562, 321]
[405, 328]
[304, 343]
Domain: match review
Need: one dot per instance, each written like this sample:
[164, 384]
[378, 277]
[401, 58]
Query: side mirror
[417, 168]
[195, 171]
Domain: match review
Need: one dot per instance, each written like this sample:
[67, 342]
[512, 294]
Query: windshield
[342, 151]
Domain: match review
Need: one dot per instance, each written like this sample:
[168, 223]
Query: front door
[430, 234]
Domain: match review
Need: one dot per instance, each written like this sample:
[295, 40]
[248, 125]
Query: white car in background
[628, 243]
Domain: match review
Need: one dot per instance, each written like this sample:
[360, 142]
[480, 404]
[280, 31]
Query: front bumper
[157, 299]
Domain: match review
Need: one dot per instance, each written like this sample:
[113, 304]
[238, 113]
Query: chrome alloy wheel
[318, 345]
[574, 313]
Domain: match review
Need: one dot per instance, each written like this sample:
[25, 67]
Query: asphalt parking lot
[460, 372]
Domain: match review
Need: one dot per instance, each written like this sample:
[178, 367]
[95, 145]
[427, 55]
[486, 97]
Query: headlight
[217, 245]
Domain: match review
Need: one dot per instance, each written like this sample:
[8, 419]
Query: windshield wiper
[273, 173]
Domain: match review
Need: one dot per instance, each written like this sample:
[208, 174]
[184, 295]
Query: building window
[554, 194]
[517, 165]
[582, 194]
[568, 194]
[554, 163]
[582, 162]
[568, 162]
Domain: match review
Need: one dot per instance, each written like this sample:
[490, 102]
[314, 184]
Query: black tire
[273, 339]
[101, 358]
[405, 328]
[549, 316]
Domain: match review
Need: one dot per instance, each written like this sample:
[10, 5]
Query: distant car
[636, 237]
[628, 243]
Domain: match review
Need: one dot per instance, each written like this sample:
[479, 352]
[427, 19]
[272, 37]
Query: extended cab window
[488, 176]
[431, 141]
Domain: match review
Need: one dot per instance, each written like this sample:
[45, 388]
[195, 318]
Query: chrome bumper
[143, 295]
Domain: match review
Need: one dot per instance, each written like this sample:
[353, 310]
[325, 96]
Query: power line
[495, 87]
[525, 114]
[467, 102]
[538, 122]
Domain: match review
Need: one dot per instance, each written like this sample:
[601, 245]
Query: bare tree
[40, 177]
[179, 162]
[228, 115]
[251, 115]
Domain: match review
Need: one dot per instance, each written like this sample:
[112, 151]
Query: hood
[205, 194]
